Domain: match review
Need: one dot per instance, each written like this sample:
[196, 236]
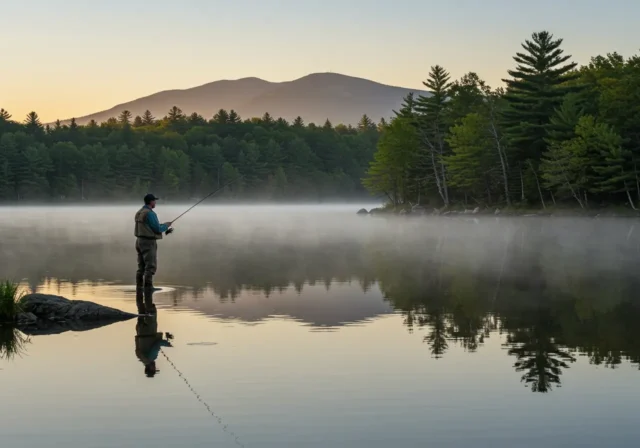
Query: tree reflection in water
[552, 288]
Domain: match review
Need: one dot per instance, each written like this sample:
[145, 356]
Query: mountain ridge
[315, 97]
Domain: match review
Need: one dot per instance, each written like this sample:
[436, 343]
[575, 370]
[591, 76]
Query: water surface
[314, 327]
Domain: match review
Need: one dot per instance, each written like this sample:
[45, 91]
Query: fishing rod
[206, 197]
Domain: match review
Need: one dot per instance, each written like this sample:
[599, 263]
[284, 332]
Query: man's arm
[152, 220]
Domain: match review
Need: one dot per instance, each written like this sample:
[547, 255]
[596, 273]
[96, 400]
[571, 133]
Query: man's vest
[142, 229]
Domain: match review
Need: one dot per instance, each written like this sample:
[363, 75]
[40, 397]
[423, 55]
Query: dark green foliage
[556, 133]
[9, 301]
[180, 157]
[536, 88]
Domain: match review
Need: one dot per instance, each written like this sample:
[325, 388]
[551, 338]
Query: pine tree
[327, 125]
[537, 87]
[382, 125]
[137, 122]
[432, 121]
[124, 119]
[175, 115]
[147, 118]
[564, 120]
[32, 123]
[57, 126]
[195, 119]
[407, 108]
[234, 117]
[366, 124]
[92, 124]
[4, 115]
[267, 118]
[73, 126]
[222, 117]
[298, 122]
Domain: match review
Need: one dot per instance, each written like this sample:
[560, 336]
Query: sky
[75, 57]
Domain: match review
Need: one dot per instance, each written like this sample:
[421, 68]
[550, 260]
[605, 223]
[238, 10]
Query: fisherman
[148, 231]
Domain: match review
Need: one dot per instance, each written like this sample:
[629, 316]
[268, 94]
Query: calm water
[314, 327]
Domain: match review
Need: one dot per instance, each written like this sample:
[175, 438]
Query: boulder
[363, 211]
[26, 319]
[59, 309]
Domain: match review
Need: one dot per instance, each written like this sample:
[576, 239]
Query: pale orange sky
[77, 57]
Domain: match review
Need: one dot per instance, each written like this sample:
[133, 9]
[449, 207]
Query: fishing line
[225, 428]
[207, 196]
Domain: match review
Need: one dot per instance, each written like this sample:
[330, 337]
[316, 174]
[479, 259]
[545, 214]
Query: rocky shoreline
[550, 212]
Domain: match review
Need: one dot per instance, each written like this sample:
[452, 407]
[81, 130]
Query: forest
[183, 156]
[554, 134]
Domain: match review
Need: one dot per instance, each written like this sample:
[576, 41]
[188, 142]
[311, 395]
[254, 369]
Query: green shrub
[10, 298]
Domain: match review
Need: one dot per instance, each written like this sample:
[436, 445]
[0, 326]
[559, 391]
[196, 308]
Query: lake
[310, 326]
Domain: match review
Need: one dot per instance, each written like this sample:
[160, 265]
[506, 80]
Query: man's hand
[168, 232]
[168, 224]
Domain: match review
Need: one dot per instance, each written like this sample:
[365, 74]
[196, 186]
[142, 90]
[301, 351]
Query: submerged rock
[59, 309]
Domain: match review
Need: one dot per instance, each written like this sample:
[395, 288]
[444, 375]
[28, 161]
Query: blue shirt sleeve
[152, 220]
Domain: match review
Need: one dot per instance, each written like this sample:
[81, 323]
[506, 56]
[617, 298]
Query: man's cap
[148, 198]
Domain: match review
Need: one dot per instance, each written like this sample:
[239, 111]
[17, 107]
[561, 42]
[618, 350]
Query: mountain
[316, 97]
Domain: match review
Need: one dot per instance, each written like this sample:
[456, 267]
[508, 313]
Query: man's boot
[140, 294]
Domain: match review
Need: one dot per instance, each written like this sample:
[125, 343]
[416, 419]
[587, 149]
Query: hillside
[316, 97]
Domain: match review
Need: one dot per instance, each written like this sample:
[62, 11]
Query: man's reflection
[149, 342]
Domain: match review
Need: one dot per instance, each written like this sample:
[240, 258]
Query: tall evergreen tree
[298, 122]
[147, 118]
[234, 117]
[432, 122]
[536, 88]
[222, 117]
[175, 115]
[4, 115]
[137, 122]
[407, 108]
[267, 118]
[366, 124]
[32, 123]
[124, 118]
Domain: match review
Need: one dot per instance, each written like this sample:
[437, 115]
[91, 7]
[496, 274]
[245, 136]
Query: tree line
[557, 133]
[183, 156]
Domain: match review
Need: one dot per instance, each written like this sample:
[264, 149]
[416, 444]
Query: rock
[418, 210]
[58, 309]
[403, 211]
[26, 319]
[475, 211]
[497, 212]
[362, 211]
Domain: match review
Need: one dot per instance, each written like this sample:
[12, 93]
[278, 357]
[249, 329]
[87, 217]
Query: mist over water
[284, 245]
[295, 314]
